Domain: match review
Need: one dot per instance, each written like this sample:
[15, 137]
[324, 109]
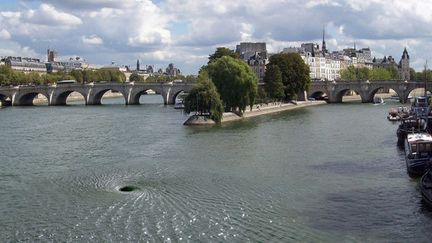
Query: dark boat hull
[426, 188]
[417, 167]
[401, 135]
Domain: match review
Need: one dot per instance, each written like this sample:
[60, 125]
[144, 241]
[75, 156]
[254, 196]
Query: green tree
[349, 73]
[221, 52]
[362, 73]
[273, 82]
[151, 79]
[413, 74]
[78, 75]
[393, 72]
[295, 73]
[235, 81]
[204, 99]
[379, 74]
[135, 77]
[191, 79]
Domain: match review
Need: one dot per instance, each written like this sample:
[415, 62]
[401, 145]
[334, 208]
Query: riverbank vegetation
[235, 81]
[166, 78]
[286, 76]
[204, 99]
[353, 73]
[12, 77]
[237, 84]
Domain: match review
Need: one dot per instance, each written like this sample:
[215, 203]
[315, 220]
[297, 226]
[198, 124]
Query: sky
[185, 32]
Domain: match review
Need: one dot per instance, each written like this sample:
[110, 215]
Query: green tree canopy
[273, 82]
[221, 52]
[204, 99]
[235, 81]
[294, 71]
[135, 77]
[353, 73]
[8, 76]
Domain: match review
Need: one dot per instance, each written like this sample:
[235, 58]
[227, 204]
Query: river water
[329, 173]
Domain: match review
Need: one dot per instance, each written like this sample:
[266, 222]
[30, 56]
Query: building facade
[255, 55]
[25, 64]
[403, 67]
[172, 71]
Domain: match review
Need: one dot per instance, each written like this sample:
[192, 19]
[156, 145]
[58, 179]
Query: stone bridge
[335, 90]
[92, 93]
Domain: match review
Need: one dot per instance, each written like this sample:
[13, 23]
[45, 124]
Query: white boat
[378, 100]
[179, 104]
[418, 153]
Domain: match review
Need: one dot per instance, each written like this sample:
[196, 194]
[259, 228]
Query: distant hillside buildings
[52, 65]
[149, 70]
[325, 65]
[28, 64]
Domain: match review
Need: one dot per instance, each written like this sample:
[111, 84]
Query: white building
[322, 67]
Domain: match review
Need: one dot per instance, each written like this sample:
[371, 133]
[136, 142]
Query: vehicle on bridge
[418, 153]
[70, 81]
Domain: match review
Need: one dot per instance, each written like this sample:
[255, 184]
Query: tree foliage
[353, 73]
[204, 99]
[12, 77]
[221, 52]
[273, 82]
[421, 76]
[135, 77]
[294, 71]
[167, 78]
[235, 81]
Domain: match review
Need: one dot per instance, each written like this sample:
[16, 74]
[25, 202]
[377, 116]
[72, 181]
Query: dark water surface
[328, 173]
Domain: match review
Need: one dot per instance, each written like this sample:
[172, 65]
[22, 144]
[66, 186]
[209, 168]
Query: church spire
[324, 47]
[405, 54]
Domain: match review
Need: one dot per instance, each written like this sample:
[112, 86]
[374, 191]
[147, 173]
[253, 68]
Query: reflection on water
[328, 173]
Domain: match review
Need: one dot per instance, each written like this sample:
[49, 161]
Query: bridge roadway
[92, 93]
[335, 90]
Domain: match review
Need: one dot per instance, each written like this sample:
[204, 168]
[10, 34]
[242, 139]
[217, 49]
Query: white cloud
[48, 15]
[4, 35]
[135, 23]
[92, 40]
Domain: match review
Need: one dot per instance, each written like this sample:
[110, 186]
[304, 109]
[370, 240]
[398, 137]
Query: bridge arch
[318, 94]
[374, 91]
[174, 95]
[61, 98]
[136, 94]
[5, 99]
[339, 94]
[411, 89]
[96, 99]
[27, 99]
